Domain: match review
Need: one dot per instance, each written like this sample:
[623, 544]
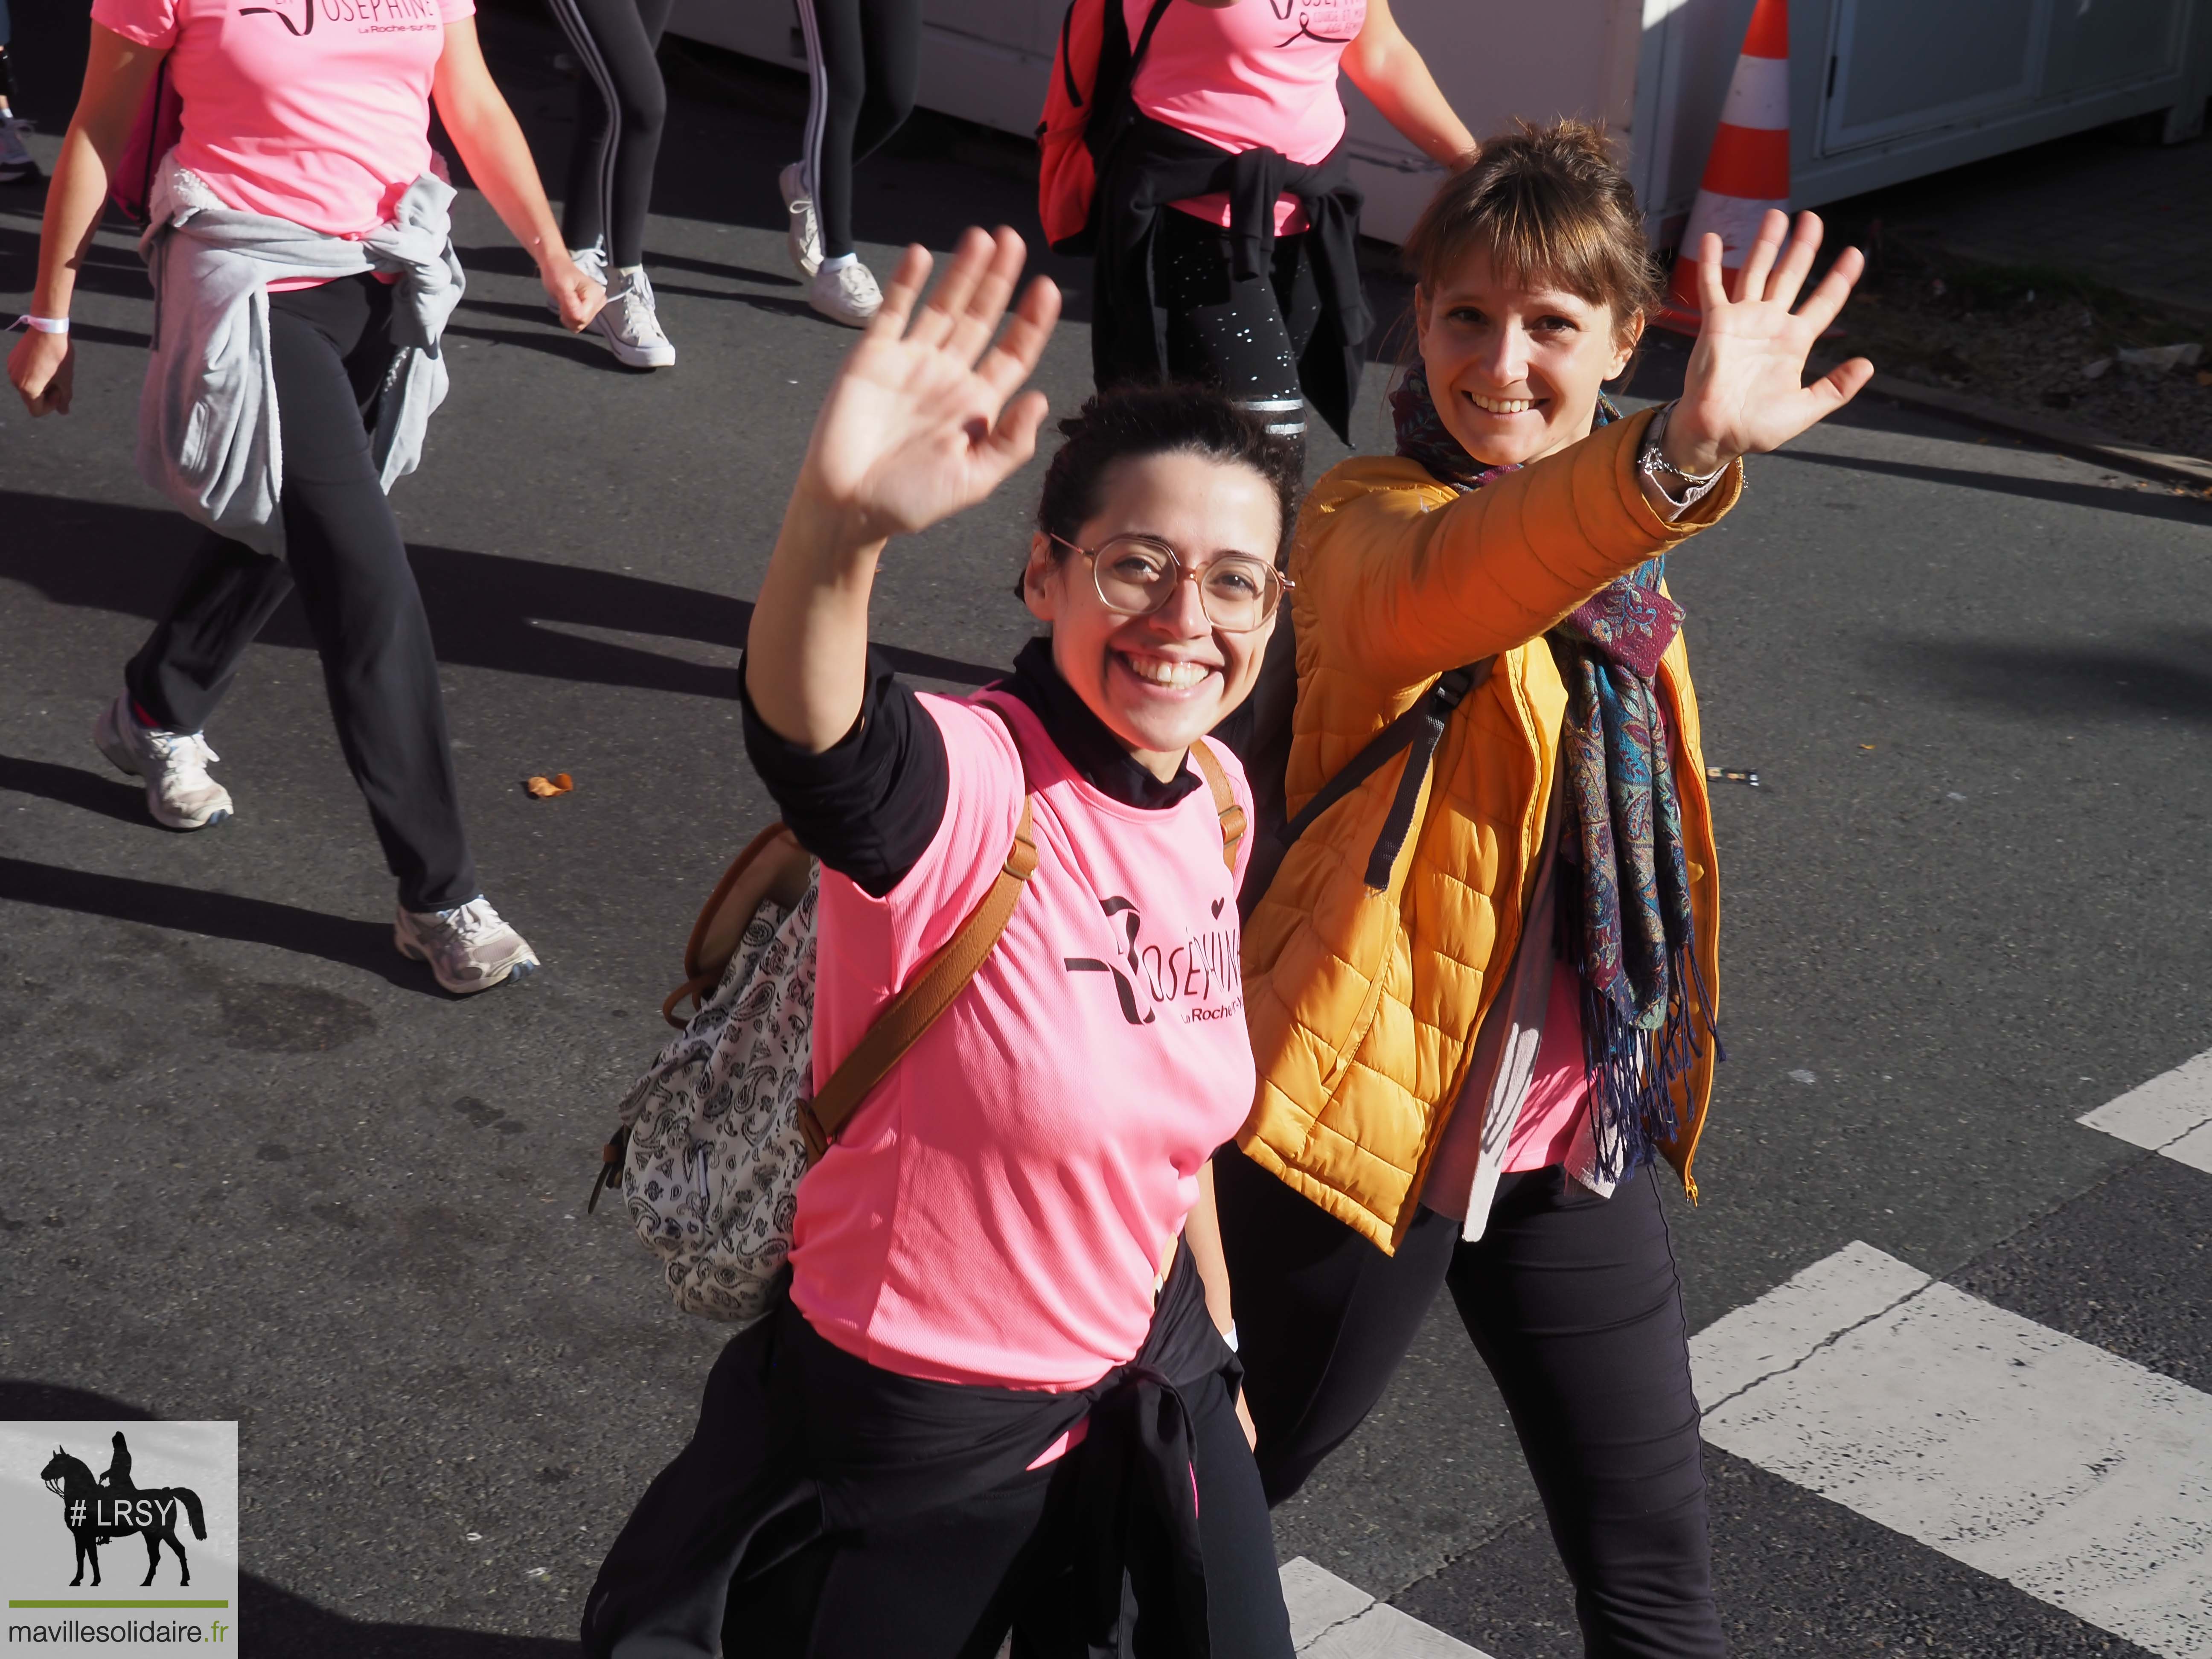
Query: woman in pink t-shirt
[282, 399]
[1228, 230]
[998, 1386]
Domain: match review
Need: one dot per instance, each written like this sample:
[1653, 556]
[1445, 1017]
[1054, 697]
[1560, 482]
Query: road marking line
[2170, 1114]
[1331, 1619]
[2081, 1478]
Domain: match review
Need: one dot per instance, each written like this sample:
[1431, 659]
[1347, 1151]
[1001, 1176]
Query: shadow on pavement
[487, 610]
[79, 786]
[2177, 509]
[553, 342]
[280, 1621]
[2065, 682]
[343, 939]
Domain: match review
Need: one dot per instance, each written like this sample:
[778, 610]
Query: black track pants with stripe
[620, 108]
[865, 58]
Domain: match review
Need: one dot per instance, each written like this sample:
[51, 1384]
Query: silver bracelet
[1652, 463]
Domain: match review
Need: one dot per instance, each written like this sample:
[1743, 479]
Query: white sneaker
[468, 947]
[593, 262]
[804, 236]
[15, 161]
[846, 294]
[179, 792]
[629, 325]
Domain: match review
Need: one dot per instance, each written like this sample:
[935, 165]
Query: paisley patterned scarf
[1624, 881]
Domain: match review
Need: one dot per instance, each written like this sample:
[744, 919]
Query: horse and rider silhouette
[98, 1510]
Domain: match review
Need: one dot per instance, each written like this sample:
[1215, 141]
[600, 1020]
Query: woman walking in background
[1476, 1040]
[303, 271]
[863, 59]
[621, 105]
[1229, 225]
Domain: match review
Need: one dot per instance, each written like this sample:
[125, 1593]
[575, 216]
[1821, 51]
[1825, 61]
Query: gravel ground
[2030, 338]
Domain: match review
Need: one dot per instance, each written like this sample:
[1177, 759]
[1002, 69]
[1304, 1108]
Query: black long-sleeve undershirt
[869, 805]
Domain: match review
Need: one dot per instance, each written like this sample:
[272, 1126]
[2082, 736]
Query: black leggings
[1245, 337]
[1573, 1303]
[865, 59]
[332, 345]
[621, 107]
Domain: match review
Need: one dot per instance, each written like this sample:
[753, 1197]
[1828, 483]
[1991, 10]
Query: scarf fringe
[1631, 1069]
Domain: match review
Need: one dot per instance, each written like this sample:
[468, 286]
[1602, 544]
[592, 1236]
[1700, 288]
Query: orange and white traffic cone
[1749, 170]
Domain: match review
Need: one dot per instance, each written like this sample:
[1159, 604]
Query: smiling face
[1159, 682]
[1515, 368]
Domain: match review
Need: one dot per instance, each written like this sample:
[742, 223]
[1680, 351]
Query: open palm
[1745, 391]
[918, 424]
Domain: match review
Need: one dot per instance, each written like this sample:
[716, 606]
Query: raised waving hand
[922, 421]
[1745, 391]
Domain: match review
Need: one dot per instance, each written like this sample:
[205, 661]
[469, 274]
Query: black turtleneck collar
[1090, 748]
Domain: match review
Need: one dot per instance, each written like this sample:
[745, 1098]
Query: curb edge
[2067, 436]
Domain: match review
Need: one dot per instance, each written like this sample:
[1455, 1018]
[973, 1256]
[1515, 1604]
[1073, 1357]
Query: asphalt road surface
[256, 1167]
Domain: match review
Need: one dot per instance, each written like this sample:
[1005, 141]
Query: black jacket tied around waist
[798, 1439]
[1153, 165]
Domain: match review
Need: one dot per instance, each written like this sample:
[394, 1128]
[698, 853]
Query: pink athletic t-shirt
[1258, 72]
[313, 111]
[998, 1209]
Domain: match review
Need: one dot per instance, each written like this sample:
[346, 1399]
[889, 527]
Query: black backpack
[1259, 734]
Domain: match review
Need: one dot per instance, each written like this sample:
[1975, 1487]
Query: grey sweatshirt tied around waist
[209, 436]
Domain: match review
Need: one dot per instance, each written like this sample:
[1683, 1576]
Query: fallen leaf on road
[559, 784]
[1866, 745]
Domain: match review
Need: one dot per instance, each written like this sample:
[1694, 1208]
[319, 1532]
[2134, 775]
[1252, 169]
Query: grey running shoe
[468, 947]
[848, 294]
[630, 325]
[16, 161]
[804, 235]
[180, 793]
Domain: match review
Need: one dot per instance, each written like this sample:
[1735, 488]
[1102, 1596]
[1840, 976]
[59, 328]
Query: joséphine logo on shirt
[366, 16]
[1332, 22]
[1196, 979]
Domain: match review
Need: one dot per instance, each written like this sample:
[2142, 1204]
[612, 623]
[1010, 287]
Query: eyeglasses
[1137, 575]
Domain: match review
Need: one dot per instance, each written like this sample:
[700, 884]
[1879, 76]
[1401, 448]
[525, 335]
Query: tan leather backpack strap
[933, 990]
[697, 989]
[1224, 801]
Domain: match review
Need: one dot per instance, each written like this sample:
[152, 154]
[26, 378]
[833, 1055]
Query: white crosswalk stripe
[1331, 1619]
[2080, 1476]
[2170, 1115]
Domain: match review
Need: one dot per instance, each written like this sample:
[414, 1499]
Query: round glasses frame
[1276, 584]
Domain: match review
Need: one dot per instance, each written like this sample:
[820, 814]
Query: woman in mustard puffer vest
[1472, 1046]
